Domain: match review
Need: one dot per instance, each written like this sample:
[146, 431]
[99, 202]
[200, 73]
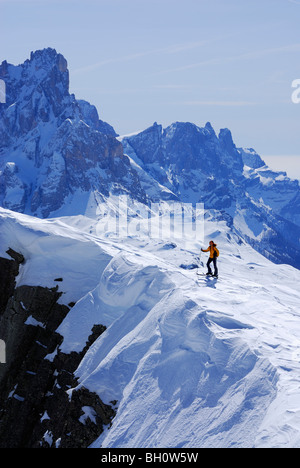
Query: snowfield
[191, 361]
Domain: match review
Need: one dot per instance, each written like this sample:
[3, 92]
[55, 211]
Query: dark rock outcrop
[41, 404]
[9, 269]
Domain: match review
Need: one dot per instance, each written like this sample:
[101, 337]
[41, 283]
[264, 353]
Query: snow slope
[191, 361]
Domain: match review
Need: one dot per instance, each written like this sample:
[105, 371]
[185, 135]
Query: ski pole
[199, 264]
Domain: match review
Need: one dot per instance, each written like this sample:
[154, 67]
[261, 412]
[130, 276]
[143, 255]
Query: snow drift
[190, 361]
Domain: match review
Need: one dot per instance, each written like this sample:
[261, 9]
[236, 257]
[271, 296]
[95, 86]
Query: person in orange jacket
[213, 255]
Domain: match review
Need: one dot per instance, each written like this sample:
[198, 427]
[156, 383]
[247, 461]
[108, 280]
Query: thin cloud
[247, 56]
[177, 48]
[172, 87]
[220, 103]
[34, 2]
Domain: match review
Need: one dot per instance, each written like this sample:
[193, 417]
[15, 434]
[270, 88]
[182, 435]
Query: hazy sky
[230, 62]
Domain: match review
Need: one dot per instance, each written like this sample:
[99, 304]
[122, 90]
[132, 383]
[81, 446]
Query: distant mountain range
[58, 158]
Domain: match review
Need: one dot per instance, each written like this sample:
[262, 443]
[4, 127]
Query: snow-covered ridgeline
[192, 362]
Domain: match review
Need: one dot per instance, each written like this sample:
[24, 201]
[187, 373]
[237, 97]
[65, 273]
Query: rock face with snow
[53, 147]
[199, 166]
[192, 162]
[35, 410]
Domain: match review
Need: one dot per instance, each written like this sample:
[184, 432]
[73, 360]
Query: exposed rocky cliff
[54, 150]
[39, 403]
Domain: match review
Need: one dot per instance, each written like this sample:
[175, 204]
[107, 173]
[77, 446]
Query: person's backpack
[216, 252]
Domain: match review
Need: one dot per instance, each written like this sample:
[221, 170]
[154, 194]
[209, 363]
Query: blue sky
[230, 62]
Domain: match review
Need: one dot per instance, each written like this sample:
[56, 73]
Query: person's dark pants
[214, 260]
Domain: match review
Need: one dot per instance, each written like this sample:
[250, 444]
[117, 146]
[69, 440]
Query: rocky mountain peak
[225, 136]
[52, 145]
[46, 59]
[45, 72]
[251, 158]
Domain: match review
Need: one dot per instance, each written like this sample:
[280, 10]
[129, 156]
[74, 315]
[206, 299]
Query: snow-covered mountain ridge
[197, 165]
[191, 361]
[58, 159]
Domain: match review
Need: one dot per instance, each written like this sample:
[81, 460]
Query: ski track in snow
[191, 361]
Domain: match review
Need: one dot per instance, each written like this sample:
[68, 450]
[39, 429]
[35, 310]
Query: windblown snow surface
[191, 361]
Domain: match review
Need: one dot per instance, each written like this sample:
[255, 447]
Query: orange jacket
[212, 249]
